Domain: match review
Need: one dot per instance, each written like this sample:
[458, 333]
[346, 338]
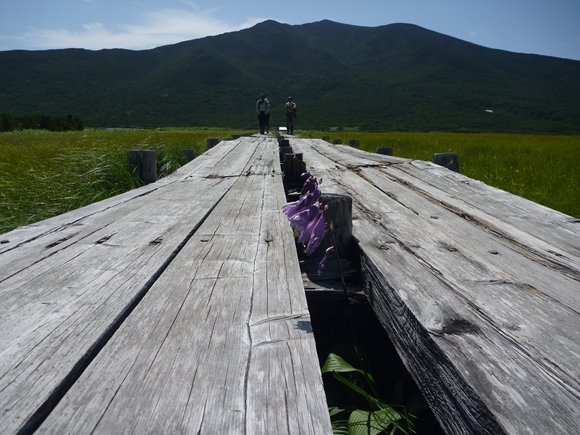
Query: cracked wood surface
[174, 308]
[478, 289]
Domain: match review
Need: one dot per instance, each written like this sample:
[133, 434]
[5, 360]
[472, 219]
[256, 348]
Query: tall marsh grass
[44, 174]
[544, 169]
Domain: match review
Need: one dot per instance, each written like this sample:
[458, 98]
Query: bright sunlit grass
[44, 174]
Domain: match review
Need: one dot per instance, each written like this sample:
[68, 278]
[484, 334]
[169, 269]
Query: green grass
[44, 174]
[542, 168]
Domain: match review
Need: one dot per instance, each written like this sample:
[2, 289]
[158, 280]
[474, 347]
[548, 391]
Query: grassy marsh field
[43, 174]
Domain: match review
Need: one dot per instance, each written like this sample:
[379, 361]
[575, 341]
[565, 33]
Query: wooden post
[212, 141]
[293, 167]
[143, 164]
[337, 141]
[287, 167]
[385, 151]
[340, 212]
[449, 160]
[354, 143]
[298, 167]
[189, 154]
[285, 150]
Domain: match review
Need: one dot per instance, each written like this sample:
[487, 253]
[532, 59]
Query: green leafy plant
[377, 418]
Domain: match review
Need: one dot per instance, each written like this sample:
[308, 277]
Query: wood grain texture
[478, 289]
[192, 287]
[227, 346]
[161, 280]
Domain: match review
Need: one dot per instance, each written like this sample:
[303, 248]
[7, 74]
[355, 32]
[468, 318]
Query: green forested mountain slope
[394, 77]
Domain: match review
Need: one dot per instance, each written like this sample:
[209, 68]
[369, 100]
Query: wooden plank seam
[36, 420]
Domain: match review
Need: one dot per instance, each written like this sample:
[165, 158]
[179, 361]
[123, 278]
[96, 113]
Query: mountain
[395, 77]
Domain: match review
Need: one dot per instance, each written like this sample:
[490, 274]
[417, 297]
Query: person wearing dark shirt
[290, 108]
[263, 110]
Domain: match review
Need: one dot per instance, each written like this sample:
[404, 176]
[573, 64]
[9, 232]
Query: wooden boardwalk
[179, 307]
[478, 289]
[176, 308]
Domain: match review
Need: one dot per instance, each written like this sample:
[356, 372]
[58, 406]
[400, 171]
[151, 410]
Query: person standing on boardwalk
[290, 107]
[263, 110]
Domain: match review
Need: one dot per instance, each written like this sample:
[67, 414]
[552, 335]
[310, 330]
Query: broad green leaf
[372, 422]
[372, 401]
[335, 363]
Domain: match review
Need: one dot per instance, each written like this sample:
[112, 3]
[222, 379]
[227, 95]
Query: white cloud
[480, 34]
[168, 26]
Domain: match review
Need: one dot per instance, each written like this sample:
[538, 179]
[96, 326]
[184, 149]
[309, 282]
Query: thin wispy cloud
[476, 34]
[167, 26]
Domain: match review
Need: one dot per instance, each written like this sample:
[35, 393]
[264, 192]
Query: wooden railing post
[449, 160]
[143, 163]
[212, 142]
[283, 150]
[385, 151]
[283, 142]
[340, 213]
[189, 154]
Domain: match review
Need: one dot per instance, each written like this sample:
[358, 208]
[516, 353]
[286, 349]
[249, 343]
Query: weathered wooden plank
[454, 401]
[477, 372]
[56, 310]
[434, 240]
[35, 242]
[237, 157]
[221, 343]
[266, 159]
[484, 300]
[283, 351]
[54, 229]
[25, 244]
[202, 167]
[540, 222]
[334, 153]
[66, 282]
[521, 257]
[359, 154]
[483, 311]
[222, 160]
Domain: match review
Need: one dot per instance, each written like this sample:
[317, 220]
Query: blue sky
[547, 27]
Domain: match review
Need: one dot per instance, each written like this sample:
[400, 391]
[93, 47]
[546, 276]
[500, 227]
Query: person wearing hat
[290, 108]
[263, 110]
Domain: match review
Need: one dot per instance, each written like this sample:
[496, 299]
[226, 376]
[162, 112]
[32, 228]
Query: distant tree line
[42, 122]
